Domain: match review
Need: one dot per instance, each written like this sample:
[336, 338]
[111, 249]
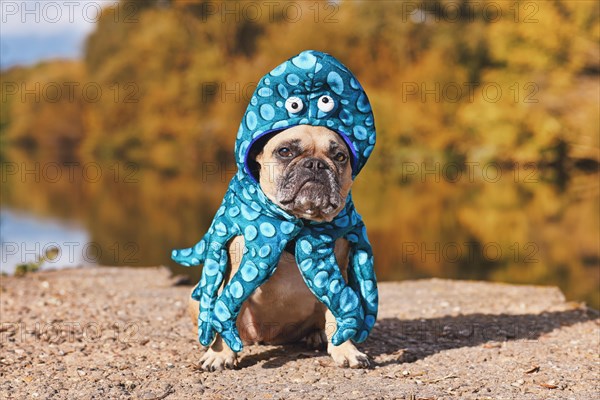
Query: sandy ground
[123, 333]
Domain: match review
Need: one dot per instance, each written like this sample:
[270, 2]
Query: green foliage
[25, 268]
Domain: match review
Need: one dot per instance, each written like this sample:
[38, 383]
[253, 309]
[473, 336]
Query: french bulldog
[306, 171]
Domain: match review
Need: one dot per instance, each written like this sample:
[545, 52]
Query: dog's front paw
[218, 360]
[346, 355]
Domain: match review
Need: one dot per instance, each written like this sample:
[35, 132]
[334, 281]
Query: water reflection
[24, 238]
[508, 229]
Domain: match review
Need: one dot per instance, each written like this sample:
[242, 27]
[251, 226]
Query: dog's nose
[314, 164]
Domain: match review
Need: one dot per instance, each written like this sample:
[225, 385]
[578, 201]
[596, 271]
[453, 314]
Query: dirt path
[120, 333]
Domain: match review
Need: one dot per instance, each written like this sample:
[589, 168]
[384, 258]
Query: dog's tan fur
[283, 310]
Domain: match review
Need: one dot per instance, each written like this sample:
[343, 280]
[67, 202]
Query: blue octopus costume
[312, 88]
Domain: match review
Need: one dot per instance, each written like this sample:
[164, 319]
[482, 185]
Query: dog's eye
[285, 152]
[294, 105]
[340, 157]
[325, 103]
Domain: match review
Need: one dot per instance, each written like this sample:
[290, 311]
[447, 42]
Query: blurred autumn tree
[450, 80]
[514, 83]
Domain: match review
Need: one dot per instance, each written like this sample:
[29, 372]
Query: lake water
[518, 227]
[23, 238]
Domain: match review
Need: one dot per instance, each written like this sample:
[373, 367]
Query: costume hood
[312, 88]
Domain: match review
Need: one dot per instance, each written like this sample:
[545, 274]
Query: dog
[306, 171]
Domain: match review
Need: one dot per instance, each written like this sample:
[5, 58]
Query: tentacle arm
[316, 259]
[361, 277]
[212, 252]
[252, 273]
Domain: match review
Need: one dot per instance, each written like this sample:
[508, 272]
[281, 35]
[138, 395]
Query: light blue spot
[221, 311]
[326, 238]
[335, 287]
[360, 132]
[264, 92]
[203, 316]
[205, 301]
[363, 104]
[263, 265]
[280, 69]
[306, 264]
[211, 267]
[218, 326]
[267, 229]
[267, 112]
[348, 300]
[221, 229]
[248, 213]
[352, 237]
[330, 123]
[372, 299]
[242, 149]
[342, 222]
[279, 103]
[251, 120]
[255, 206]
[283, 92]
[346, 117]
[174, 254]
[292, 79]
[354, 84]
[286, 227]
[304, 60]
[257, 133]
[372, 139]
[246, 194]
[318, 67]
[250, 233]
[369, 121]
[362, 337]
[306, 246]
[368, 151]
[348, 333]
[249, 271]
[370, 321]
[320, 279]
[186, 252]
[335, 82]
[234, 211]
[236, 290]
[264, 251]
[368, 285]
[280, 124]
[362, 257]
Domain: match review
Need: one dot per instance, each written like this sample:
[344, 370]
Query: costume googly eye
[325, 103]
[294, 105]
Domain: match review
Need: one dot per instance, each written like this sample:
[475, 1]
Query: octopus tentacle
[361, 277]
[212, 252]
[257, 265]
[318, 266]
[191, 256]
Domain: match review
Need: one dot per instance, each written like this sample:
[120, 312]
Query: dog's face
[306, 171]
